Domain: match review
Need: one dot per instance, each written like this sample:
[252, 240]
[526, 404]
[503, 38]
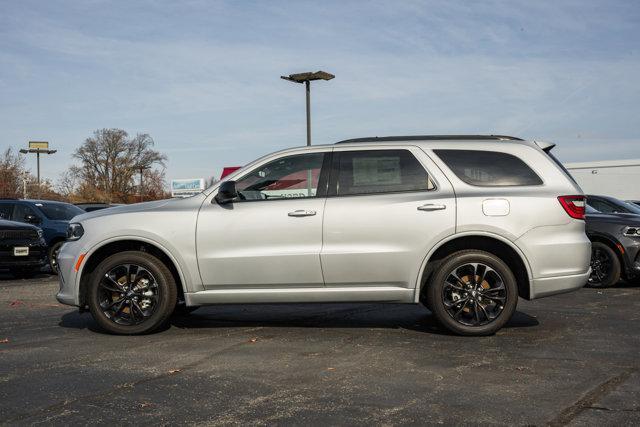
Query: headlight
[632, 232]
[75, 231]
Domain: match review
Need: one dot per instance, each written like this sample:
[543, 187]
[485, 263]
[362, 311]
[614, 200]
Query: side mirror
[31, 219]
[226, 192]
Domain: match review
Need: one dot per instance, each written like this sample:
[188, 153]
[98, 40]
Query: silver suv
[463, 224]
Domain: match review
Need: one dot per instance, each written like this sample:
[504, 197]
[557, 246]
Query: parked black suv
[22, 248]
[51, 216]
[613, 226]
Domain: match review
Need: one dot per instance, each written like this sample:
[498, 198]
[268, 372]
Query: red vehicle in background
[228, 170]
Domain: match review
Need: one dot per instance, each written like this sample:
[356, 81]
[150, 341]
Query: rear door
[387, 207]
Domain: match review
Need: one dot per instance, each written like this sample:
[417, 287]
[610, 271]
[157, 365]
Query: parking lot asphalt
[569, 359]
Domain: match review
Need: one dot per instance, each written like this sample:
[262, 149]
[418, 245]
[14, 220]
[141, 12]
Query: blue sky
[202, 77]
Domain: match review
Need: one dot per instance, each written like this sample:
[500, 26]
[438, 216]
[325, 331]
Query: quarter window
[380, 171]
[488, 168]
[291, 177]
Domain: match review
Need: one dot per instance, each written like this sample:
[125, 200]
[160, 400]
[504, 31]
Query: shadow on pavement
[391, 316]
[6, 275]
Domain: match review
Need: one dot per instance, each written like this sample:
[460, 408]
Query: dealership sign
[186, 187]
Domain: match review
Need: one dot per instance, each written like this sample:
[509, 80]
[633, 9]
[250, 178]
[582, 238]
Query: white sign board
[186, 187]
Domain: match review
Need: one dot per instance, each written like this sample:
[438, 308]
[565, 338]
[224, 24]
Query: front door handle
[302, 212]
[430, 207]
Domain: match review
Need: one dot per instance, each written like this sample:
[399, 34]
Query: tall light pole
[307, 78]
[142, 168]
[38, 147]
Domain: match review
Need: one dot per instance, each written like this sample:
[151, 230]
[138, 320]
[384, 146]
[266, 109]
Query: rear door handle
[431, 207]
[302, 212]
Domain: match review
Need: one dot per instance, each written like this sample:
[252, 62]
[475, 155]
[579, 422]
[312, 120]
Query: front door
[386, 208]
[272, 234]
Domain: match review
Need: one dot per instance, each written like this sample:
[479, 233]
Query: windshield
[59, 211]
[628, 207]
[590, 210]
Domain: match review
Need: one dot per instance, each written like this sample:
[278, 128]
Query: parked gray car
[464, 224]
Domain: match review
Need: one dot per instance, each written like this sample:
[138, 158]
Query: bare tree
[69, 182]
[110, 161]
[12, 172]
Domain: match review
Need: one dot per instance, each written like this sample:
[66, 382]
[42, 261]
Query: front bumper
[67, 276]
[37, 254]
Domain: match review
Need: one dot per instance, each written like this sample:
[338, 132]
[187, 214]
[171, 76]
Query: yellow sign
[43, 145]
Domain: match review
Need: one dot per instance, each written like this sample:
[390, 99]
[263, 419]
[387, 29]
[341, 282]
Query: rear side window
[380, 171]
[5, 210]
[488, 168]
[21, 212]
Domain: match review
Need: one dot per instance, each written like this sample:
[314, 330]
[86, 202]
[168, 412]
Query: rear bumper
[548, 286]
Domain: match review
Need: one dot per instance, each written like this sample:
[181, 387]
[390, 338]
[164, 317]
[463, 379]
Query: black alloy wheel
[131, 293]
[128, 294]
[472, 292]
[605, 266]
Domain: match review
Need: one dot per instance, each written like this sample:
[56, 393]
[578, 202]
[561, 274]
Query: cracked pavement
[569, 359]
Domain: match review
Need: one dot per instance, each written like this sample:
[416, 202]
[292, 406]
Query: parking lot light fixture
[38, 147]
[307, 78]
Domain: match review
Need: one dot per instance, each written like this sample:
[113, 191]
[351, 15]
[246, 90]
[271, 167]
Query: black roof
[432, 138]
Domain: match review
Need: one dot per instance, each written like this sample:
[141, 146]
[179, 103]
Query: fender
[427, 257]
[104, 242]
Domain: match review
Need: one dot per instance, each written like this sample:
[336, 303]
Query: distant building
[617, 178]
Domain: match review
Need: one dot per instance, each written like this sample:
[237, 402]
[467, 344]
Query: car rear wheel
[605, 266]
[473, 293]
[131, 293]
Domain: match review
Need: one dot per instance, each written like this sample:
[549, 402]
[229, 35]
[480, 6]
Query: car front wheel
[131, 293]
[605, 266]
[473, 293]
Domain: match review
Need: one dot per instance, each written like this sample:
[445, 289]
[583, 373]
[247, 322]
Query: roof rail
[432, 138]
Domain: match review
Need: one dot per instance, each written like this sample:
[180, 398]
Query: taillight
[573, 205]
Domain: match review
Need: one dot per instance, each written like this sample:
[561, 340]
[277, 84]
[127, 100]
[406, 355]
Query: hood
[13, 225]
[138, 207]
[621, 218]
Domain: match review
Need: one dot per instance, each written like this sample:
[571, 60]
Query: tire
[131, 293]
[605, 266]
[53, 253]
[482, 298]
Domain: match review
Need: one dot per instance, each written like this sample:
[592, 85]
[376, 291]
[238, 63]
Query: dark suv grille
[19, 234]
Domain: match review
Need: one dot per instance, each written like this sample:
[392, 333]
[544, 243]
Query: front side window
[380, 171]
[488, 168]
[291, 177]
